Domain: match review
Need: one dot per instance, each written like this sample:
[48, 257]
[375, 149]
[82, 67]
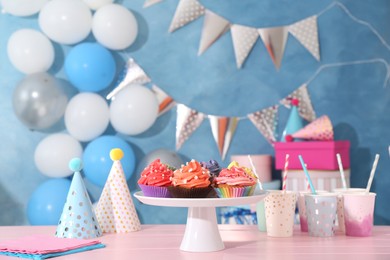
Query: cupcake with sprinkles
[191, 181]
[155, 180]
[235, 181]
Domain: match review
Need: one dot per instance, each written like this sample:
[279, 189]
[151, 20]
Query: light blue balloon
[97, 162]
[90, 67]
[47, 202]
[294, 123]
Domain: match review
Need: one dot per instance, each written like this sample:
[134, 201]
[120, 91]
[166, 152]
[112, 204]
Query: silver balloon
[165, 156]
[39, 101]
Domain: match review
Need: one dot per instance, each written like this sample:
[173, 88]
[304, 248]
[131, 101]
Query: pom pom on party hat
[294, 121]
[320, 129]
[115, 210]
[78, 219]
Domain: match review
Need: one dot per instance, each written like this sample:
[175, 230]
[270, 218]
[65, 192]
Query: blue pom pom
[75, 165]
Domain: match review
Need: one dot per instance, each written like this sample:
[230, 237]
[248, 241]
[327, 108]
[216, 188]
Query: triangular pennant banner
[165, 102]
[266, 121]
[115, 210]
[78, 219]
[148, 3]
[274, 40]
[214, 26]
[186, 12]
[306, 32]
[305, 107]
[131, 74]
[244, 38]
[188, 120]
[320, 129]
[223, 129]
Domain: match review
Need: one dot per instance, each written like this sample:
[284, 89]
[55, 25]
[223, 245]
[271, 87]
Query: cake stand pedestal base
[201, 233]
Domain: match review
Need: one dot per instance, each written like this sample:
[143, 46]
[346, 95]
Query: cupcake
[213, 167]
[235, 181]
[191, 181]
[155, 179]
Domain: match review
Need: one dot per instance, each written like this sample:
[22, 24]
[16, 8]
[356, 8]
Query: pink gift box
[318, 155]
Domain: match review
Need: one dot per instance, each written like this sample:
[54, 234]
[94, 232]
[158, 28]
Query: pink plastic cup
[359, 213]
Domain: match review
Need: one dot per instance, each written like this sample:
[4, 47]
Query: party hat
[115, 210]
[78, 219]
[294, 122]
[320, 129]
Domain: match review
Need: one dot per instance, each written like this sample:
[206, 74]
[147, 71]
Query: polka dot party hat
[78, 219]
[115, 210]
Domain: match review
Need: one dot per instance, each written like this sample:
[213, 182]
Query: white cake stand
[201, 233]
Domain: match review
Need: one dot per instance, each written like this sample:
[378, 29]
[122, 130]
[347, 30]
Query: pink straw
[285, 172]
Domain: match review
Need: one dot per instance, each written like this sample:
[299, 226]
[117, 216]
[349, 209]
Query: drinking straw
[313, 191]
[341, 171]
[373, 169]
[285, 173]
[254, 171]
[307, 182]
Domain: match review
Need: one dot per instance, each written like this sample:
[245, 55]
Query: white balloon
[22, 7]
[133, 110]
[30, 51]
[54, 153]
[114, 27]
[96, 4]
[86, 116]
[66, 21]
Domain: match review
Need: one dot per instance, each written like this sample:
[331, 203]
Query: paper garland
[244, 37]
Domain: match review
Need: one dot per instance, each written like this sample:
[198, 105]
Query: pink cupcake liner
[155, 191]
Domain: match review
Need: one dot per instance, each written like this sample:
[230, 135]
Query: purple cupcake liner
[155, 191]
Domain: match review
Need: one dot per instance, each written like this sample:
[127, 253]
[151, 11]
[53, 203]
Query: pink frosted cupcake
[155, 180]
[235, 181]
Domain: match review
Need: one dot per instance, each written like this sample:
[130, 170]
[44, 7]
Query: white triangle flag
[244, 38]
[187, 121]
[186, 12]
[306, 32]
[305, 107]
[148, 3]
[214, 26]
[265, 121]
[274, 40]
[223, 129]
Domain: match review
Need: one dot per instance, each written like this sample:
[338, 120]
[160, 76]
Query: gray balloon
[39, 101]
[165, 156]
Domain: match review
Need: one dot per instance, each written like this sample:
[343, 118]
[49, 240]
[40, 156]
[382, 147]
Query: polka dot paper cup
[321, 212]
[280, 212]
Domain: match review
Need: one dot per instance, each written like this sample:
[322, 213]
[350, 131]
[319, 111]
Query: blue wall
[353, 96]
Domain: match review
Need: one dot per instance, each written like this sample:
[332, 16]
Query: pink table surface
[241, 242]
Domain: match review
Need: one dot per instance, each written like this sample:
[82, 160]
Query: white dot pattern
[306, 32]
[244, 38]
[266, 121]
[115, 210]
[186, 11]
[188, 120]
[305, 107]
[78, 219]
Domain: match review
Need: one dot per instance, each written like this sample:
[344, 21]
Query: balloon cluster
[41, 100]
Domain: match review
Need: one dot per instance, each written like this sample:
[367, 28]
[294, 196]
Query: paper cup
[260, 215]
[302, 208]
[340, 204]
[280, 212]
[359, 213]
[321, 211]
